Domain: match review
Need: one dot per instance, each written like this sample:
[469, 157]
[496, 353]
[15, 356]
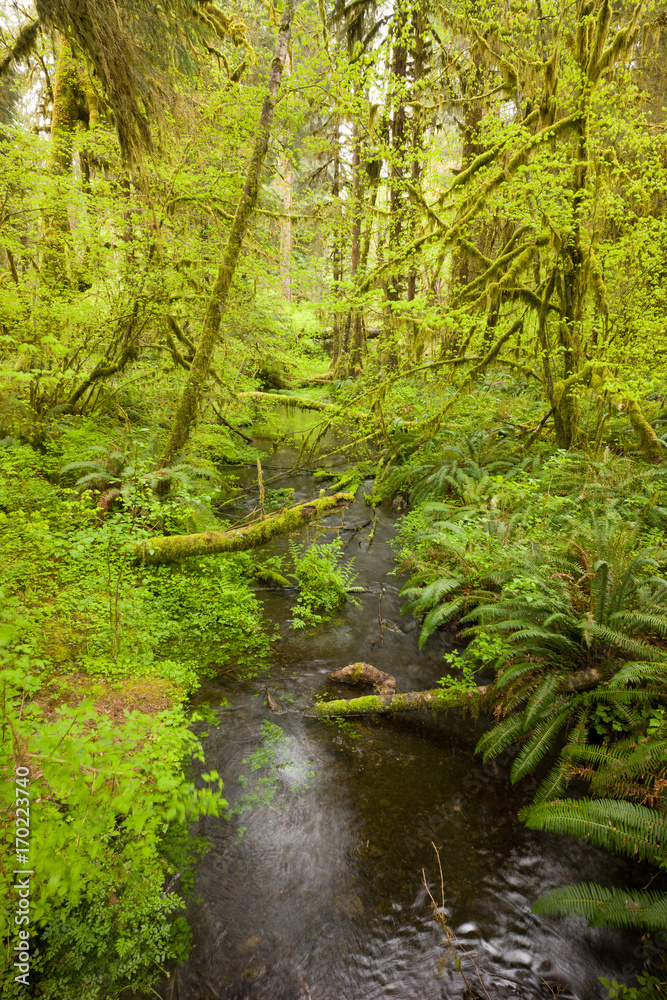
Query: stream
[315, 891]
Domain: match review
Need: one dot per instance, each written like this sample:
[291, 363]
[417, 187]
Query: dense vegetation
[442, 230]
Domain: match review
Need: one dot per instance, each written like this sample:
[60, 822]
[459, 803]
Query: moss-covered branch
[648, 439]
[174, 548]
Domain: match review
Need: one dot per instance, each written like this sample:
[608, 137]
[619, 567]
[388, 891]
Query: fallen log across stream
[303, 403]
[173, 548]
[437, 699]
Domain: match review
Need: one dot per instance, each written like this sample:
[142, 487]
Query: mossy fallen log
[436, 699]
[174, 548]
[303, 403]
[374, 704]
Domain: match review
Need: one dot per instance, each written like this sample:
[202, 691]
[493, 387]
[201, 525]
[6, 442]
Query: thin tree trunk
[195, 383]
[337, 256]
[397, 191]
[356, 319]
[286, 185]
[419, 56]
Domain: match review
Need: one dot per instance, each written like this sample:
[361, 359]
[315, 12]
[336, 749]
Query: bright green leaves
[325, 582]
[276, 764]
[103, 796]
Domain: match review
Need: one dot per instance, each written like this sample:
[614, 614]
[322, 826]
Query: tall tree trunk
[356, 318]
[419, 57]
[286, 187]
[57, 247]
[465, 266]
[337, 256]
[397, 192]
[194, 387]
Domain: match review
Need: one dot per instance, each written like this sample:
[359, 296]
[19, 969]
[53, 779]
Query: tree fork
[195, 381]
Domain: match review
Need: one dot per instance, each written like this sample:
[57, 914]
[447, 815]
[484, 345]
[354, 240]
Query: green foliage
[601, 907]
[102, 798]
[578, 612]
[473, 552]
[208, 602]
[616, 825]
[649, 988]
[111, 803]
[325, 582]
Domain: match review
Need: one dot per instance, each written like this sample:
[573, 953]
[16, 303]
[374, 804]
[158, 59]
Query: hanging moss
[650, 444]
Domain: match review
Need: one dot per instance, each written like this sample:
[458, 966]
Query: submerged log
[303, 403]
[173, 548]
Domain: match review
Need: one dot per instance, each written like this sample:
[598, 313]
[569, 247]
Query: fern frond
[554, 784]
[638, 619]
[499, 738]
[628, 580]
[556, 781]
[512, 673]
[610, 823]
[542, 698]
[638, 671]
[601, 588]
[434, 593]
[96, 477]
[539, 744]
[440, 616]
[79, 466]
[615, 638]
[602, 907]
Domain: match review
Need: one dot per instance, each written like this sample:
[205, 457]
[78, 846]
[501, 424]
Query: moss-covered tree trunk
[396, 233]
[337, 253]
[186, 413]
[56, 246]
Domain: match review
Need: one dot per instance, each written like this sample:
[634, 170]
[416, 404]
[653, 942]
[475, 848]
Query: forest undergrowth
[549, 565]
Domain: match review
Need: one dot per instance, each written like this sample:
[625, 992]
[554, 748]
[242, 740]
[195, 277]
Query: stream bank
[312, 889]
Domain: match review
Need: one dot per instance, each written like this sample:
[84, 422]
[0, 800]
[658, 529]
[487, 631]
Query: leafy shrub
[102, 798]
[324, 581]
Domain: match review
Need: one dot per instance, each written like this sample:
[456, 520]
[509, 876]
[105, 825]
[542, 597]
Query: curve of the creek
[315, 890]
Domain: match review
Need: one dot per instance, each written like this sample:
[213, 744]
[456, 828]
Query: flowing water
[314, 891]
